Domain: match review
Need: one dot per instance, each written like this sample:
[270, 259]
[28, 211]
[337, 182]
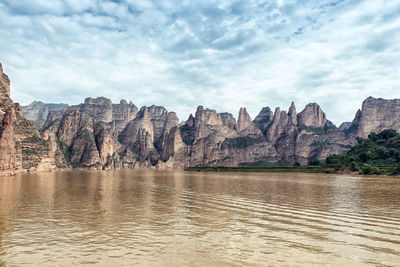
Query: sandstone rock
[7, 141]
[305, 136]
[345, 125]
[187, 131]
[8, 160]
[37, 112]
[213, 143]
[292, 115]
[158, 117]
[245, 126]
[21, 146]
[101, 135]
[138, 135]
[52, 118]
[277, 126]
[4, 84]
[100, 109]
[282, 133]
[263, 119]
[228, 120]
[170, 137]
[375, 115]
[124, 111]
[312, 116]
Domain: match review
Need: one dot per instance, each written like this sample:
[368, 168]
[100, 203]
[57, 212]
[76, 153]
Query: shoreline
[271, 169]
[283, 169]
[289, 169]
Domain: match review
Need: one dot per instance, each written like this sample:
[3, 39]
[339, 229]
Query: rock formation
[37, 112]
[312, 116]
[22, 148]
[375, 115]
[98, 134]
[228, 120]
[245, 125]
[7, 118]
[302, 137]
[264, 119]
[345, 125]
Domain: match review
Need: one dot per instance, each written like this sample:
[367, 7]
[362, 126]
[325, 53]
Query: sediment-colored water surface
[175, 218]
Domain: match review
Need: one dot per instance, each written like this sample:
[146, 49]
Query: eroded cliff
[22, 148]
[376, 114]
[99, 134]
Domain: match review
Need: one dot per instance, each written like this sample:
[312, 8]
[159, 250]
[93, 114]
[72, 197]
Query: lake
[176, 218]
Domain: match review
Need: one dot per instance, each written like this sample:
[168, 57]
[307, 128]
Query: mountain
[99, 134]
[22, 148]
[376, 115]
[37, 111]
[345, 125]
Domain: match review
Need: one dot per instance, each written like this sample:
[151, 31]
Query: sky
[220, 54]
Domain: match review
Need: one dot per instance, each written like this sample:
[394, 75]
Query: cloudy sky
[220, 54]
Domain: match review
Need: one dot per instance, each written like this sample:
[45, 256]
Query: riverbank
[303, 169]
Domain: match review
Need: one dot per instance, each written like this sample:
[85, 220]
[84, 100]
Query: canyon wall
[99, 134]
[376, 114]
[22, 147]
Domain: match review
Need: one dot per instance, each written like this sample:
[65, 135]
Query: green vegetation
[88, 136]
[33, 139]
[241, 142]
[4, 264]
[29, 152]
[24, 127]
[280, 163]
[154, 156]
[66, 151]
[377, 154]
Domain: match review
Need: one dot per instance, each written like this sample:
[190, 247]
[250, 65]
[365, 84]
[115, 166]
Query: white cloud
[220, 54]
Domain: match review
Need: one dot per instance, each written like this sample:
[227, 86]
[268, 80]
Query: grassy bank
[304, 169]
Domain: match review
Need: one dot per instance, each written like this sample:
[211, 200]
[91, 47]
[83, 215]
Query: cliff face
[98, 134]
[37, 112]
[211, 142]
[302, 137]
[22, 148]
[375, 115]
[7, 118]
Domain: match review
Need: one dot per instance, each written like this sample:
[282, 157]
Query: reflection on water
[174, 218]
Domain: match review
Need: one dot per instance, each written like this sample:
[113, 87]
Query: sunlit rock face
[245, 125]
[125, 137]
[22, 148]
[312, 116]
[99, 134]
[7, 118]
[214, 139]
[302, 137]
[375, 115]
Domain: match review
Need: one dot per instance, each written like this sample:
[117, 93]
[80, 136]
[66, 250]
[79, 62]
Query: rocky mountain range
[37, 111]
[99, 134]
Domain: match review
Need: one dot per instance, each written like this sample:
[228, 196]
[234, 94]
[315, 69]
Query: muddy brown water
[175, 218]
